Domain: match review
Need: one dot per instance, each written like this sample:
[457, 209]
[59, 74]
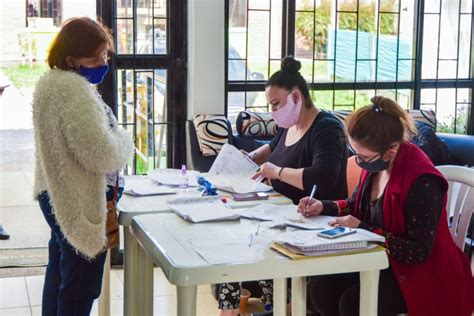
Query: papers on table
[305, 242]
[232, 171]
[237, 251]
[170, 177]
[285, 215]
[202, 209]
[141, 186]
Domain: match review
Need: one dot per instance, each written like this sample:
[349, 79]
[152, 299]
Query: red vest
[443, 284]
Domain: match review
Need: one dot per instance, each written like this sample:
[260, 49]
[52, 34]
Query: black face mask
[374, 166]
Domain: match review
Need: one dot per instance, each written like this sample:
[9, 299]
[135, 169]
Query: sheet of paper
[237, 251]
[202, 209]
[286, 214]
[144, 186]
[170, 177]
[232, 171]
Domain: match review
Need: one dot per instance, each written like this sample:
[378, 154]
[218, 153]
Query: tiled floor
[21, 296]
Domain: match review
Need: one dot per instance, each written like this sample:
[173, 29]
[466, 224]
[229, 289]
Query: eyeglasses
[360, 159]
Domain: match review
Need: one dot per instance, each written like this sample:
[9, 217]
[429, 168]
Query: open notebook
[202, 209]
[232, 171]
[303, 242]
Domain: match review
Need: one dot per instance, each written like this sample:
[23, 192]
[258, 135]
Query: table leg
[298, 296]
[130, 272]
[369, 291]
[279, 296]
[104, 298]
[145, 281]
[187, 300]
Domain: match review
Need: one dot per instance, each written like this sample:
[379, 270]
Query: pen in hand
[311, 196]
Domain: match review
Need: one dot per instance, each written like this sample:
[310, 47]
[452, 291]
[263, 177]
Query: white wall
[206, 82]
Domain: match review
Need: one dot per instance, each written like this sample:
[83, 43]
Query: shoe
[3, 234]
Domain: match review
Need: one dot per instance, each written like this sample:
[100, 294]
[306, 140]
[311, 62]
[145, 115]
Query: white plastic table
[130, 206]
[165, 239]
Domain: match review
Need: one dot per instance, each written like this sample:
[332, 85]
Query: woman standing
[79, 151]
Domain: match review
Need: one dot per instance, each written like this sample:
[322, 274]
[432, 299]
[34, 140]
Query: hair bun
[290, 65]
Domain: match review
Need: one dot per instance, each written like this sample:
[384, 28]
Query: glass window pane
[258, 42]
[124, 8]
[449, 30]
[432, 6]
[344, 98]
[304, 41]
[323, 99]
[275, 29]
[124, 36]
[447, 69]
[161, 135]
[464, 46]
[159, 96]
[445, 110]
[323, 70]
[160, 10]
[125, 97]
[363, 98]
[237, 70]
[430, 46]
[304, 5]
[259, 4]
[235, 104]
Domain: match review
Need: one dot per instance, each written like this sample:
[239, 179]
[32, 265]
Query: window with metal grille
[416, 52]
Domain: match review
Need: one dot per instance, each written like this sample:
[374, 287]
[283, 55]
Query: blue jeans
[72, 283]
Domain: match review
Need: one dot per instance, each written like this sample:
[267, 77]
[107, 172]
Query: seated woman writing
[402, 196]
[310, 148]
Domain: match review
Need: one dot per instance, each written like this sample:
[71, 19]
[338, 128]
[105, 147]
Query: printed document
[232, 171]
[171, 177]
[143, 186]
[286, 215]
[202, 209]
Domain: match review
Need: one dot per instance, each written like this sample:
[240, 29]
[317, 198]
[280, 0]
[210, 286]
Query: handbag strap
[116, 188]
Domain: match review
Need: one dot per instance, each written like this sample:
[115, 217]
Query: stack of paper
[202, 209]
[142, 186]
[232, 171]
[286, 215]
[308, 243]
[171, 177]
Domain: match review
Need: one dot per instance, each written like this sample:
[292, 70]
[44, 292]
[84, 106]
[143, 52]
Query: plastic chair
[460, 204]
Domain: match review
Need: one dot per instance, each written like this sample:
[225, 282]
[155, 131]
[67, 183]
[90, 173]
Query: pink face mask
[289, 114]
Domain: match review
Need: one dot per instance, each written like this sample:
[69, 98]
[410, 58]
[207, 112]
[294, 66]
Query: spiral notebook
[308, 241]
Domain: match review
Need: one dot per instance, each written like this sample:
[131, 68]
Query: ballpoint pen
[311, 196]
[250, 239]
[256, 230]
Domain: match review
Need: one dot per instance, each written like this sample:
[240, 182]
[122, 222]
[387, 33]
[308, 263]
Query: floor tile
[13, 293]
[161, 286]
[34, 286]
[21, 311]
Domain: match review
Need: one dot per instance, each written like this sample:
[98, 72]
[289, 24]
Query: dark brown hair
[289, 77]
[79, 38]
[378, 125]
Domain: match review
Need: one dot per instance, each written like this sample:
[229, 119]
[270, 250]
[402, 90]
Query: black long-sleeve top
[322, 152]
[422, 207]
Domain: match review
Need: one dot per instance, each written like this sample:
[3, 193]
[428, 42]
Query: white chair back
[460, 204]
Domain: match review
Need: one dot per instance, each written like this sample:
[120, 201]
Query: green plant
[25, 76]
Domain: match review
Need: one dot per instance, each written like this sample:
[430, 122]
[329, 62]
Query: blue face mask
[94, 75]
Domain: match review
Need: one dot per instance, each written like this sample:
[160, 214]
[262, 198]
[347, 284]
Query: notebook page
[232, 171]
[143, 186]
[308, 241]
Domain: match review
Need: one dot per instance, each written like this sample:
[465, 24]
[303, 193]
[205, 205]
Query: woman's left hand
[346, 221]
[268, 171]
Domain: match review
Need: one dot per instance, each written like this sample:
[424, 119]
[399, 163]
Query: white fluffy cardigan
[75, 148]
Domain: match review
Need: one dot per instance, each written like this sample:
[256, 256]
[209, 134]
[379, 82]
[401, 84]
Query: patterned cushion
[212, 133]
[256, 124]
[426, 116]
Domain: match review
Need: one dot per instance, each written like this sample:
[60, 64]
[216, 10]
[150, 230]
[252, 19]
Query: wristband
[343, 205]
[279, 173]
